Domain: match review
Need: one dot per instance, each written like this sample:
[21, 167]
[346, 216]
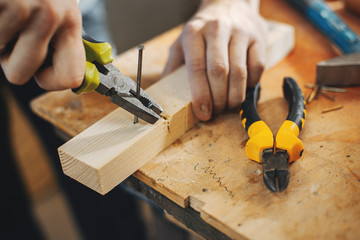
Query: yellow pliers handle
[96, 52]
[287, 136]
[261, 137]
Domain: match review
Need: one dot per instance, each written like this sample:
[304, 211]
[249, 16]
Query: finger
[238, 51]
[12, 18]
[31, 48]
[194, 52]
[217, 37]
[68, 60]
[175, 59]
[256, 62]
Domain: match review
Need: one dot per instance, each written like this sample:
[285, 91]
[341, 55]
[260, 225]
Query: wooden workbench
[205, 179]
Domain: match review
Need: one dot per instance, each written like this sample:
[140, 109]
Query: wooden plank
[114, 148]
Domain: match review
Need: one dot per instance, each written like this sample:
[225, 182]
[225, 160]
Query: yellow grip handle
[287, 139]
[99, 52]
[91, 79]
[261, 138]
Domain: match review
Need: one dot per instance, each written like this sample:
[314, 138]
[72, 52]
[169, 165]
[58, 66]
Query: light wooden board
[114, 148]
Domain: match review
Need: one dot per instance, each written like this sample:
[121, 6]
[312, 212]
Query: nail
[138, 82]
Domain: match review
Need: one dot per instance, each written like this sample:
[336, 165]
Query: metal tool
[102, 76]
[339, 71]
[274, 156]
[343, 70]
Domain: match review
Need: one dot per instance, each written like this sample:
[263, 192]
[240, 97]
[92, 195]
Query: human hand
[224, 47]
[31, 27]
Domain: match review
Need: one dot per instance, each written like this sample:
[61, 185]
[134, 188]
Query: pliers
[102, 76]
[274, 156]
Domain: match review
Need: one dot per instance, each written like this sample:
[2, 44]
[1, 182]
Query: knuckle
[75, 79]
[241, 31]
[73, 17]
[21, 11]
[191, 28]
[70, 82]
[196, 65]
[62, 80]
[239, 73]
[49, 18]
[216, 26]
[218, 70]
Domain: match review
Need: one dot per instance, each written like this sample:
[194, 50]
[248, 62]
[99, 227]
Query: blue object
[330, 24]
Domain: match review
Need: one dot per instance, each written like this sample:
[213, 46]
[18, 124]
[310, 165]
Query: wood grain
[112, 149]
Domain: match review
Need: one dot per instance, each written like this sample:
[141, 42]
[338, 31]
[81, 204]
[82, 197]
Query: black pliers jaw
[275, 169]
[122, 91]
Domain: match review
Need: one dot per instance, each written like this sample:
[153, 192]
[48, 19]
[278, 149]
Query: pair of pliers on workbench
[102, 76]
[274, 156]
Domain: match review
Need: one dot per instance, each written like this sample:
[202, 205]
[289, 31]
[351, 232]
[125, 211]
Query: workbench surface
[207, 169]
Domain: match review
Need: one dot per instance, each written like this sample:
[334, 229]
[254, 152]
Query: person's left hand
[224, 49]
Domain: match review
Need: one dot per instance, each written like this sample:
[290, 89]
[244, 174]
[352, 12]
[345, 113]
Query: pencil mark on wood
[214, 176]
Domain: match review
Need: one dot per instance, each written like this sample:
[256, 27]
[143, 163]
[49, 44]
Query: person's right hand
[31, 28]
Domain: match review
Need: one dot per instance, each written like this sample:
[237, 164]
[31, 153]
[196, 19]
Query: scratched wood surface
[207, 168]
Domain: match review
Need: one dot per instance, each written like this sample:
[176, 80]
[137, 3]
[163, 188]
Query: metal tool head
[275, 169]
[340, 71]
[122, 91]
